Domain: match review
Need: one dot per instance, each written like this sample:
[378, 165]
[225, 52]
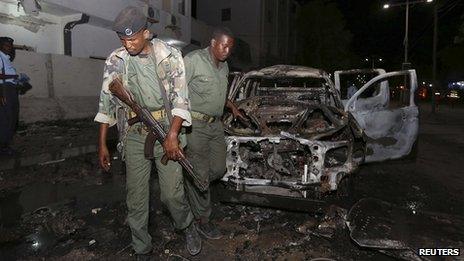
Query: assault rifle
[156, 131]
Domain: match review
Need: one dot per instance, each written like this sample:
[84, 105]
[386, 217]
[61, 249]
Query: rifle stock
[154, 127]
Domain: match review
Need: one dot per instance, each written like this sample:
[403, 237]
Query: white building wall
[93, 39]
[74, 76]
[44, 35]
[67, 87]
[63, 87]
[35, 66]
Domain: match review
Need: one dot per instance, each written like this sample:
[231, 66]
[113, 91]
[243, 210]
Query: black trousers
[9, 113]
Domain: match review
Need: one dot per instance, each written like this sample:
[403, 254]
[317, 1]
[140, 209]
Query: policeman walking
[207, 77]
[153, 72]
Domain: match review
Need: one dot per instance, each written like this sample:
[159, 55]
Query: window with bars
[226, 14]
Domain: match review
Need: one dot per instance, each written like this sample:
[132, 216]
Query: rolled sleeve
[177, 88]
[106, 109]
[106, 106]
[184, 114]
[103, 118]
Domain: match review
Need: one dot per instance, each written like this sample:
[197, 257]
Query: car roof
[279, 71]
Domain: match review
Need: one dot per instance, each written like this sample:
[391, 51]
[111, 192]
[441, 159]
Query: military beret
[129, 21]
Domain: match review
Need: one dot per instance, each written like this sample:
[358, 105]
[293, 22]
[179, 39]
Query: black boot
[209, 230]
[192, 239]
[144, 257]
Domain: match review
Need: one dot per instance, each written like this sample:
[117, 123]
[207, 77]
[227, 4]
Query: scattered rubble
[333, 220]
[51, 162]
[95, 210]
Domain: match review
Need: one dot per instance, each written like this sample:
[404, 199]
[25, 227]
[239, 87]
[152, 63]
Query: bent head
[131, 27]
[136, 43]
[222, 44]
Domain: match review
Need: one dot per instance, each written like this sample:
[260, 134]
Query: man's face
[221, 47]
[136, 43]
[7, 48]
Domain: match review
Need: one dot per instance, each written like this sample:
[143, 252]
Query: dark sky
[378, 31]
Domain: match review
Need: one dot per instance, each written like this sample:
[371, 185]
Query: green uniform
[206, 147]
[139, 77]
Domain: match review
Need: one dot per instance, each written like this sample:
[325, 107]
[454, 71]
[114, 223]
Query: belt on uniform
[158, 115]
[203, 117]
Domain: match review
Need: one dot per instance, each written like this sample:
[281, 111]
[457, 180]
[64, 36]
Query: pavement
[52, 142]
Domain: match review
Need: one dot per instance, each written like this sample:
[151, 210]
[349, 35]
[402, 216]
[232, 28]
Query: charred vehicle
[301, 137]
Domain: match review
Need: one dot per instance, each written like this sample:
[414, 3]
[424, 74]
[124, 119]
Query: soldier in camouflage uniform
[143, 67]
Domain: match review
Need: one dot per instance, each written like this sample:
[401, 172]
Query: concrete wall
[63, 87]
[93, 41]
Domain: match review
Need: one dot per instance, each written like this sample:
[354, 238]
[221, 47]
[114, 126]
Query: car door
[391, 129]
[375, 97]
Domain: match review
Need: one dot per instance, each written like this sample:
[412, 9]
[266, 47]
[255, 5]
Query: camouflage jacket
[171, 71]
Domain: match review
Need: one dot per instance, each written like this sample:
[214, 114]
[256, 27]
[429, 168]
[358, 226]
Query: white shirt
[9, 69]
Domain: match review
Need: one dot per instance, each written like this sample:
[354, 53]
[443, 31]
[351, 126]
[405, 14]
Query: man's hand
[103, 153]
[238, 114]
[171, 142]
[235, 111]
[171, 147]
[104, 157]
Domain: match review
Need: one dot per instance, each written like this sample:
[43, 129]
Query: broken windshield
[303, 89]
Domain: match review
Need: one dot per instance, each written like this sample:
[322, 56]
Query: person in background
[9, 102]
[207, 78]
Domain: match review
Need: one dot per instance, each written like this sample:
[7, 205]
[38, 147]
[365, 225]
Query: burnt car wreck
[301, 138]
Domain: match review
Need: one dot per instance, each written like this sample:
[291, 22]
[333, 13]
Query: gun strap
[167, 104]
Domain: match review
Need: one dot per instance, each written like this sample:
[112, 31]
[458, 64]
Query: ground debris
[92, 242]
[334, 220]
[76, 254]
[95, 210]
[62, 221]
[307, 226]
[51, 162]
